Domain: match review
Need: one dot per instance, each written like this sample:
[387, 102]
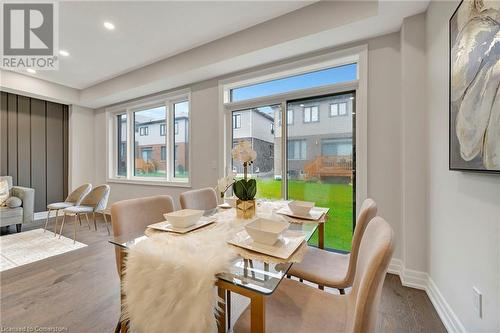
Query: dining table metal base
[257, 307]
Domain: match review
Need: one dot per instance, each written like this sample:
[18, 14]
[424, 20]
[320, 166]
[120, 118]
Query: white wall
[384, 129]
[81, 159]
[464, 208]
[413, 144]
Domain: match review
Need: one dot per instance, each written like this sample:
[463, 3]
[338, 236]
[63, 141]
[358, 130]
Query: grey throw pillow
[13, 202]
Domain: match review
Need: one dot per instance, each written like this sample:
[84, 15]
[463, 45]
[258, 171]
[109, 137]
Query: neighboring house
[258, 128]
[150, 148]
[319, 138]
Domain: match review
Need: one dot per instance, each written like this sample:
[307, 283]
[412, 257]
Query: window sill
[185, 184]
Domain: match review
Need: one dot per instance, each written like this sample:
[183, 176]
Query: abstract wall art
[474, 87]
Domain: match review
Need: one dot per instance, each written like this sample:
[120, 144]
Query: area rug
[33, 245]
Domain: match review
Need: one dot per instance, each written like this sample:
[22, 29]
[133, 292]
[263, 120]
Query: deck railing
[329, 166]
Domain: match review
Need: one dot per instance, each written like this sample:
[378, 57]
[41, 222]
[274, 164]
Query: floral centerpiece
[225, 183]
[245, 189]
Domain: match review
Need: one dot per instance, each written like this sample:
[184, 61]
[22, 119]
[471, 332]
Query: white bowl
[183, 218]
[231, 201]
[266, 231]
[300, 207]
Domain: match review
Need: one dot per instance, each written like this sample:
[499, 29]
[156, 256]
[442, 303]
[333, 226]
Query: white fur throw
[169, 281]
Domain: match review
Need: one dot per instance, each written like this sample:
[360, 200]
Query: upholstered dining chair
[134, 215]
[297, 307]
[73, 199]
[94, 202]
[131, 217]
[203, 199]
[333, 269]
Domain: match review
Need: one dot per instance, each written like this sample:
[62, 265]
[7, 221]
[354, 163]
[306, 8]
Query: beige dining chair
[131, 217]
[73, 199]
[297, 307]
[331, 269]
[94, 202]
[203, 199]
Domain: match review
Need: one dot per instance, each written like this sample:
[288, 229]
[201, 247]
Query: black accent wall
[34, 146]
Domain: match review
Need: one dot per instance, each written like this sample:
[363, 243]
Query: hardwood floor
[79, 290]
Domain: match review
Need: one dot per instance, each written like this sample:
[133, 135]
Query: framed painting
[474, 95]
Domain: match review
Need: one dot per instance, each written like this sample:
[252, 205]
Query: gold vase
[245, 209]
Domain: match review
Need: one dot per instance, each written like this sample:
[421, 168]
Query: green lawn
[338, 229]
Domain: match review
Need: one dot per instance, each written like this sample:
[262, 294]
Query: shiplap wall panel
[3, 133]
[38, 154]
[55, 152]
[34, 146]
[65, 150]
[12, 137]
[23, 142]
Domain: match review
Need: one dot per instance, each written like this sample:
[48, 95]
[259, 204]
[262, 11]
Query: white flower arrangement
[245, 189]
[244, 153]
[225, 183]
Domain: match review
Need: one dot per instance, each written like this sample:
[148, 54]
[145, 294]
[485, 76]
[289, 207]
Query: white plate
[165, 226]
[314, 214]
[283, 248]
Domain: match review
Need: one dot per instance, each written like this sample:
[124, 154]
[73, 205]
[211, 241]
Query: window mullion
[169, 137]
[130, 143]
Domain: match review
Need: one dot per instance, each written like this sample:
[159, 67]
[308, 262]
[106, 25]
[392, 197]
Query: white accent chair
[94, 202]
[73, 199]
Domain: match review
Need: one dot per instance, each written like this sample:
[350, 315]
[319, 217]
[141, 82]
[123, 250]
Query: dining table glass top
[255, 275]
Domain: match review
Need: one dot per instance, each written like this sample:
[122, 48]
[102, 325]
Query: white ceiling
[146, 32]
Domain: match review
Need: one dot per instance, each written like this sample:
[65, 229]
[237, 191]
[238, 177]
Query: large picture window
[154, 128]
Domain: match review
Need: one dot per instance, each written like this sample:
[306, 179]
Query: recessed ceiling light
[31, 70]
[109, 25]
[64, 53]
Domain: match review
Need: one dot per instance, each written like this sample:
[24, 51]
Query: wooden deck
[329, 166]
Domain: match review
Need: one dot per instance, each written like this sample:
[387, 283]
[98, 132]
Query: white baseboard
[421, 280]
[43, 215]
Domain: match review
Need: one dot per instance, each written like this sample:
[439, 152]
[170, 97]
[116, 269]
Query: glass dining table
[254, 279]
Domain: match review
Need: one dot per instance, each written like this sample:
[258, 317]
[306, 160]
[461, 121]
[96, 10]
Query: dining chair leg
[47, 221]
[55, 223]
[118, 326]
[87, 218]
[77, 217]
[106, 221]
[124, 326]
[250, 263]
[62, 225]
[228, 309]
[95, 223]
[79, 221]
